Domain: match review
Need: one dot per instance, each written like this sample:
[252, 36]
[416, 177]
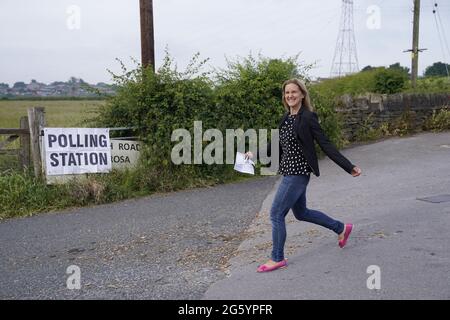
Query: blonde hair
[306, 101]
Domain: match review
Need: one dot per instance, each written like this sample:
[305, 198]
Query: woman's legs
[301, 212]
[289, 191]
[291, 194]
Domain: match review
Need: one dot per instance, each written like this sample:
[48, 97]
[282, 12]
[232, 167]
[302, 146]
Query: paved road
[406, 238]
[169, 246]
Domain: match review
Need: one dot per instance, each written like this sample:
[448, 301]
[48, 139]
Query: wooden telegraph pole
[415, 48]
[147, 34]
[415, 45]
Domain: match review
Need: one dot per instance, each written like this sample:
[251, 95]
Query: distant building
[72, 88]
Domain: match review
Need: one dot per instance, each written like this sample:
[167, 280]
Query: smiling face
[293, 95]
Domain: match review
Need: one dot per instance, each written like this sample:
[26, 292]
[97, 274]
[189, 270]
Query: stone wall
[372, 110]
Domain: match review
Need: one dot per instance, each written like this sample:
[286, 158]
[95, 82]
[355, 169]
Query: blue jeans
[291, 194]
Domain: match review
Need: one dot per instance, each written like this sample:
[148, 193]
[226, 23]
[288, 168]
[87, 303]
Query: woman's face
[293, 95]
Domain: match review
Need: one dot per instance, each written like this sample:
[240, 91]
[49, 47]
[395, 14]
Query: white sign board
[125, 153]
[76, 150]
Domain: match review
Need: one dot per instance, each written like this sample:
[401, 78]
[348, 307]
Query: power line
[442, 28]
[440, 38]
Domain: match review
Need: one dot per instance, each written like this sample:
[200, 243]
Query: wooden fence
[28, 152]
[22, 133]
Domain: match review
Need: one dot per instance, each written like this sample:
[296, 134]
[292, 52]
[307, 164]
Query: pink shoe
[266, 268]
[348, 230]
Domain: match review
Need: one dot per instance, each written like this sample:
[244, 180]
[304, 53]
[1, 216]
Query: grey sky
[36, 42]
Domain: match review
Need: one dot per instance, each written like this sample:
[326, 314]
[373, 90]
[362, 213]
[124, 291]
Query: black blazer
[307, 129]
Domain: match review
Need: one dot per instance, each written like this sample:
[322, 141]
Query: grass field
[57, 113]
[64, 113]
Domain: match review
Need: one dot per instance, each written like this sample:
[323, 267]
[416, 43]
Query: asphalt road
[206, 243]
[167, 246]
[400, 244]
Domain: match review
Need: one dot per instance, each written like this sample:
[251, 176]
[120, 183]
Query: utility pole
[147, 33]
[415, 45]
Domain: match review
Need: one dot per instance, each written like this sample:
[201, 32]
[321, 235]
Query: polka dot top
[293, 161]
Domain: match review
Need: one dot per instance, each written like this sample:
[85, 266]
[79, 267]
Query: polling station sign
[76, 150]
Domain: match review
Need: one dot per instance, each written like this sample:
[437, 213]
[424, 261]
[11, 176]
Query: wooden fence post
[36, 120]
[24, 153]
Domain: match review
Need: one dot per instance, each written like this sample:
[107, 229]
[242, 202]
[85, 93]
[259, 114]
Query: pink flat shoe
[266, 268]
[348, 230]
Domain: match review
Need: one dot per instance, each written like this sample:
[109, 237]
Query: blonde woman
[298, 129]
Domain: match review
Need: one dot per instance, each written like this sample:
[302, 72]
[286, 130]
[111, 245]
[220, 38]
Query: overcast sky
[51, 40]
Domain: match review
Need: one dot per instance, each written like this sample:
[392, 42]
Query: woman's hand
[356, 171]
[248, 155]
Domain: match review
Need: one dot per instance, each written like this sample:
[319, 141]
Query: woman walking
[298, 128]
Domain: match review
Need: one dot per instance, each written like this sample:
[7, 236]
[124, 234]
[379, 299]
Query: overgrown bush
[439, 121]
[403, 125]
[248, 93]
[157, 104]
[22, 194]
[376, 80]
[354, 84]
[390, 81]
[330, 121]
[430, 85]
